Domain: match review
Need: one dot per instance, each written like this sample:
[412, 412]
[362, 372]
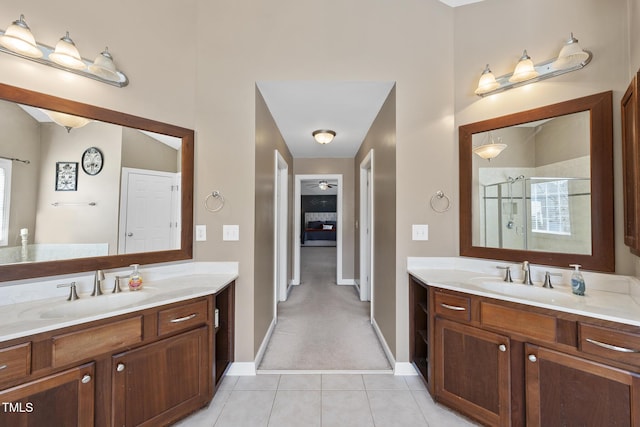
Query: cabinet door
[629, 112]
[158, 383]
[62, 399]
[472, 371]
[564, 390]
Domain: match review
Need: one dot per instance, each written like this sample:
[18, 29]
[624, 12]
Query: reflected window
[5, 196]
[550, 207]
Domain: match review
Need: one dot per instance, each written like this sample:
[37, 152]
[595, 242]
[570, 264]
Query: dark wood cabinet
[224, 302]
[472, 371]
[630, 117]
[62, 399]
[161, 381]
[419, 330]
[565, 390]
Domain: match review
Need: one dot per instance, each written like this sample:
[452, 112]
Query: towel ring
[215, 195]
[439, 196]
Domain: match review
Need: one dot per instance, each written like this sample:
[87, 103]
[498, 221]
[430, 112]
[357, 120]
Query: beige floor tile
[207, 417]
[439, 415]
[342, 382]
[415, 382]
[228, 382]
[258, 382]
[247, 409]
[384, 382]
[300, 382]
[295, 408]
[395, 408]
[341, 408]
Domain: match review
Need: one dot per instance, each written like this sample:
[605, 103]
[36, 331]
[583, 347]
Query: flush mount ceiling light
[323, 136]
[68, 121]
[491, 149]
[571, 58]
[18, 40]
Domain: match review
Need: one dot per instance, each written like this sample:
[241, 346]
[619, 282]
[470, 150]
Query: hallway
[323, 326]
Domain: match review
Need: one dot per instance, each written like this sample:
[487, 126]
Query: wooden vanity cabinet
[630, 117]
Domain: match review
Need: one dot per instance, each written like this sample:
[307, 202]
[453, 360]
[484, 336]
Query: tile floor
[324, 400]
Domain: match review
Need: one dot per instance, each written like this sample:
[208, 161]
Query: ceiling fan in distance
[322, 185]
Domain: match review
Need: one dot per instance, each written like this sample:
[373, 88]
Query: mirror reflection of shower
[511, 223]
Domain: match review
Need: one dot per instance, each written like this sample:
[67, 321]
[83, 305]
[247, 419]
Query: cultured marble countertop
[622, 307]
[32, 317]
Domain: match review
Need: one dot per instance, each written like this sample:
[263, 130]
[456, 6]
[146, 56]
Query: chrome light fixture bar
[18, 40]
[571, 58]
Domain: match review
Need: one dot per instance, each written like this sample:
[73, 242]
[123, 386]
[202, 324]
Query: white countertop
[618, 303]
[31, 317]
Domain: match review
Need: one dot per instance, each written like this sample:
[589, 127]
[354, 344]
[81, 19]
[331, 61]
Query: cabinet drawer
[610, 343]
[92, 342]
[453, 307]
[182, 317]
[15, 362]
[521, 322]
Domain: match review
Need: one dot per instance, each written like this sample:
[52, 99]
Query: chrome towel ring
[440, 199]
[214, 195]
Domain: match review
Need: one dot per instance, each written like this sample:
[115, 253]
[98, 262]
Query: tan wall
[344, 167]
[268, 139]
[381, 138]
[143, 152]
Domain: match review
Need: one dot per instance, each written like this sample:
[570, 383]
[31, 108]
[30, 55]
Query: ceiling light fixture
[323, 185]
[571, 58]
[491, 149]
[323, 136]
[68, 121]
[18, 40]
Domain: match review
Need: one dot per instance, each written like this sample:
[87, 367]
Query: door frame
[280, 222]
[297, 225]
[366, 221]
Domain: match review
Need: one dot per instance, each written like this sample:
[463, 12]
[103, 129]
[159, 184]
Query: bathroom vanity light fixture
[19, 41]
[571, 58]
[491, 149]
[323, 136]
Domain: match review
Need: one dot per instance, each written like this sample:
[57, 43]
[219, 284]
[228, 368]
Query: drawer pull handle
[452, 307]
[120, 367]
[184, 319]
[3, 367]
[612, 347]
[86, 379]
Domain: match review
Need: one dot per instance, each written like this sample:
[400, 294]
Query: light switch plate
[420, 232]
[230, 232]
[201, 233]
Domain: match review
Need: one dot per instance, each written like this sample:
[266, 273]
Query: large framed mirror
[85, 188]
[538, 185]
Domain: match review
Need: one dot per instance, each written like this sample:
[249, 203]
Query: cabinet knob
[129, 234]
[120, 367]
[502, 348]
[86, 379]
[533, 358]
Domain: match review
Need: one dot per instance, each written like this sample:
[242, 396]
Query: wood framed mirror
[547, 198]
[86, 227]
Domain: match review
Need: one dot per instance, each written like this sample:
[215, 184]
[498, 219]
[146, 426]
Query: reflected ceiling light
[104, 67]
[323, 136]
[19, 39]
[66, 54]
[323, 185]
[68, 121]
[524, 70]
[571, 58]
[490, 150]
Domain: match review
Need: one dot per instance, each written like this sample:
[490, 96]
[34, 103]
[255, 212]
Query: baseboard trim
[265, 342]
[242, 369]
[404, 368]
[346, 282]
[385, 346]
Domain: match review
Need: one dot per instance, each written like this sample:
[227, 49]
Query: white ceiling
[300, 107]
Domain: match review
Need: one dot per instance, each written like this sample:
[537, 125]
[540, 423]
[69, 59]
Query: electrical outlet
[201, 233]
[230, 232]
[420, 232]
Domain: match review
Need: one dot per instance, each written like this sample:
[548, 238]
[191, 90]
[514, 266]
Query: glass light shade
[487, 82]
[66, 54]
[490, 150]
[104, 67]
[570, 55]
[19, 39]
[323, 136]
[68, 121]
[323, 185]
[524, 70]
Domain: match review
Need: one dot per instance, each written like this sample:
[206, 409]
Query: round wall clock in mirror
[92, 161]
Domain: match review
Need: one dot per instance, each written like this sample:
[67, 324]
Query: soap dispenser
[577, 281]
[135, 279]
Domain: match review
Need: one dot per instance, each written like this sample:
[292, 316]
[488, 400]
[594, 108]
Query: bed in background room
[319, 229]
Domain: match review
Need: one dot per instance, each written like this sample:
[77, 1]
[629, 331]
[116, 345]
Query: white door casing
[281, 214]
[366, 229]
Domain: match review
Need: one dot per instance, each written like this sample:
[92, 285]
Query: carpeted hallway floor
[323, 326]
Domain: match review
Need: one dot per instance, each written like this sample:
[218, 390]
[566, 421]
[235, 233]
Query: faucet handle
[547, 279]
[116, 284]
[507, 272]
[73, 294]
[97, 282]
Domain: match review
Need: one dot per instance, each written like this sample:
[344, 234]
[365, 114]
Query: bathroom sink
[87, 306]
[518, 290]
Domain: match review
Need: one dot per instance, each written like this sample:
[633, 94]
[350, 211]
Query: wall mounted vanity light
[571, 58]
[323, 136]
[491, 149]
[19, 41]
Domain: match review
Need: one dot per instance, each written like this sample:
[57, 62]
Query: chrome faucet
[526, 270]
[97, 281]
[507, 272]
